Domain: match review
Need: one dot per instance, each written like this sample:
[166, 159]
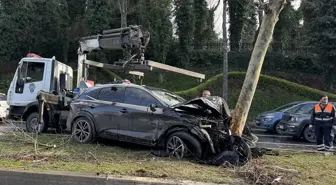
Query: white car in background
[3, 106]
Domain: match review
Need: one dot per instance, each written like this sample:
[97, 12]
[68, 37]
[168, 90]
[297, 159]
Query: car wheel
[243, 150]
[180, 144]
[277, 128]
[82, 130]
[309, 134]
[33, 124]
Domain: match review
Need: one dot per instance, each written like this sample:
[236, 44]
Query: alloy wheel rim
[82, 131]
[310, 135]
[176, 147]
[277, 129]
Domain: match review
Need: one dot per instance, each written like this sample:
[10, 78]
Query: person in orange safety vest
[323, 118]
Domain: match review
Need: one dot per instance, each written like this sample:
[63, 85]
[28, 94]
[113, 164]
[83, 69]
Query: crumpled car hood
[217, 105]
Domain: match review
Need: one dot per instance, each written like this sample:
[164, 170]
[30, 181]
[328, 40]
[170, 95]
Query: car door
[141, 130]
[109, 112]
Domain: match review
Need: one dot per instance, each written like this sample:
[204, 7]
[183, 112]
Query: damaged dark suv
[157, 118]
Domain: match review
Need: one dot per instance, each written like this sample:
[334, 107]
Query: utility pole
[225, 53]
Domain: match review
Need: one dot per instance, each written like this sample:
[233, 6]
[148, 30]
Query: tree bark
[272, 11]
[123, 12]
[260, 18]
[225, 53]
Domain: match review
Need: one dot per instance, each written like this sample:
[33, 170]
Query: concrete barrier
[17, 177]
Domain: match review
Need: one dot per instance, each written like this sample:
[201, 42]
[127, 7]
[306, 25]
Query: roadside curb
[17, 177]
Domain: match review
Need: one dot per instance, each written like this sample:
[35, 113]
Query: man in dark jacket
[323, 118]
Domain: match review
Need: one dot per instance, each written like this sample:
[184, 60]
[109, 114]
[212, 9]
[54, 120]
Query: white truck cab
[35, 74]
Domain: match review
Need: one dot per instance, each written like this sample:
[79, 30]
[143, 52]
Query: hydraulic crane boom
[130, 39]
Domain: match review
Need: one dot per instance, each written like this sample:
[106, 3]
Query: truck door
[29, 81]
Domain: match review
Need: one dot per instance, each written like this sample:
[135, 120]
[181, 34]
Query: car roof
[124, 85]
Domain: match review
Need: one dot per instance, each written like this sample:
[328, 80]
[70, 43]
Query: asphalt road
[276, 141]
[58, 178]
[266, 139]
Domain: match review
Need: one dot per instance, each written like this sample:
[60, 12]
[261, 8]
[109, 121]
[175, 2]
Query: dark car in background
[270, 120]
[153, 117]
[296, 123]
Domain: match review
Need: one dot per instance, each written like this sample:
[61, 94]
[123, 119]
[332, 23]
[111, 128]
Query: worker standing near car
[323, 118]
[206, 93]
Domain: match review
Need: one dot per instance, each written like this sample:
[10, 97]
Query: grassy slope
[271, 92]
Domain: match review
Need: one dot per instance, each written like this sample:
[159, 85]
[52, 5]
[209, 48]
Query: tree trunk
[272, 11]
[260, 18]
[225, 53]
[123, 12]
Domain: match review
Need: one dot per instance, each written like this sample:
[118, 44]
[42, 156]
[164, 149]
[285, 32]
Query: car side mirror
[152, 107]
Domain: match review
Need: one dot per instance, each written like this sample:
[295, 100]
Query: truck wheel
[33, 125]
[82, 130]
[179, 144]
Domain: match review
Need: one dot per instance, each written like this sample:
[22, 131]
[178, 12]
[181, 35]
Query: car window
[3, 97]
[293, 109]
[305, 109]
[112, 94]
[140, 97]
[89, 95]
[284, 107]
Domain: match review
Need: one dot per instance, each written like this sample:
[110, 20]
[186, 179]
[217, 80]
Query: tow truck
[42, 88]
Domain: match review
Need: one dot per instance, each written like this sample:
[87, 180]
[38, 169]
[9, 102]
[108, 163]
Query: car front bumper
[290, 129]
[268, 125]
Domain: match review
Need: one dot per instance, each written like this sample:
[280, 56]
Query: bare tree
[259, 9]
[212, 9]
[123, 12]
[272, 11]
[225, 53]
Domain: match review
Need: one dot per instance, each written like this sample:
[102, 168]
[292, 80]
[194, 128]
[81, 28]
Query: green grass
[313, 168]
[17, 152]
[102, 159]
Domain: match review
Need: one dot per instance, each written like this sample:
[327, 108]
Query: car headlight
[294, 119]
[268, 118]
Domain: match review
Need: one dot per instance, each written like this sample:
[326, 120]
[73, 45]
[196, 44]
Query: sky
[219, 17]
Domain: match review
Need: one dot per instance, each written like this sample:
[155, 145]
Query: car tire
[277, 129]
[180, 143]
[32, 123]
[83, 131]
[244, 151]
[309, 134]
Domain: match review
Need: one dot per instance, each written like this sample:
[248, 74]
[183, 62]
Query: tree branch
[215, 7]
